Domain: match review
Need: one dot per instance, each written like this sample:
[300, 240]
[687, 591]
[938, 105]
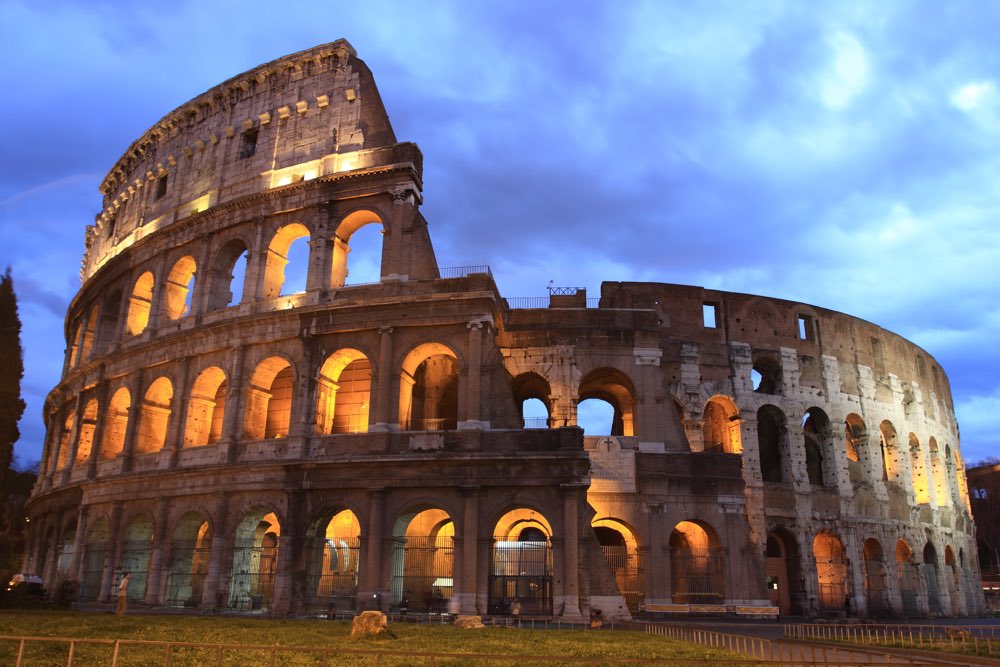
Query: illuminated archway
[65, 436]
[621, 550]
[343, 393]
[206, 408]
[422, 561]
[179, 288]
[255, 560]
[875, 588]
[274, 282]
[784, 583]
[136, 551]
[269, 400]
[190, 549]
[365, 250]
[154, 416]
[855, 439]
[428, 389]
[721, 430]
[532, 396]
[697, 564]
[616, 389]
[521, 575]
[333, 547]
[116, 424]
[139, 304]
[831, 571]
[227, 288]
[921, 487]
[85, 439]
[906, 577]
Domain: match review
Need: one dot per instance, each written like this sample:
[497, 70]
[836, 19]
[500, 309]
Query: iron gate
[334, 584]
[93, 570]
[186, 576]
[627, 568]
[422, 573]
[251, 584]
[521, 578]
[908, 588]
[697, 576]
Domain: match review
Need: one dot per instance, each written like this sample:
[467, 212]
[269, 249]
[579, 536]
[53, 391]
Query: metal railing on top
[463, 271]
[971, 639]
[526, 302]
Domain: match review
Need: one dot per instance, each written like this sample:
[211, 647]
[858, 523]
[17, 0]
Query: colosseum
[239, 442]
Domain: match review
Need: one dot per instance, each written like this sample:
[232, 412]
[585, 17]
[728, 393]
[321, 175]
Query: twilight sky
[839, 154]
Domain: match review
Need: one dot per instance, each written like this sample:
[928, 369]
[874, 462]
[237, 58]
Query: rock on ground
[369, 624]
[469, 622]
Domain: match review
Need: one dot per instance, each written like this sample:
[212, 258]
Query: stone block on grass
[370, 624]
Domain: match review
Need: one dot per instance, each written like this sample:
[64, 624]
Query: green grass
[331, 636]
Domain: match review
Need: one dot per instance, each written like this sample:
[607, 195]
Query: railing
[972, 639]
[463, 271]
[536, 422]
[527, 302]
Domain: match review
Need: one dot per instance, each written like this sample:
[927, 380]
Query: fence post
[114, 655]
[20, 653]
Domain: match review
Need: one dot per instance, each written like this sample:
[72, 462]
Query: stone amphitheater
[239, 442]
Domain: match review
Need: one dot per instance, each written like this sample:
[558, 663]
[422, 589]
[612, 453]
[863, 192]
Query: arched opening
[116, 424]
[784, 582]
[422, 558]
[108, 329]
[286, 267]
[532, 397]
[615, 388]
[918, 463]
[65, 439]
[831, 572]
[360, 236]
[85, 440]
[906, 578]
[596, 417]
[931, 578]
[206, 408]
[334, 556]
[94, 554]
[137, 549]
[520, 581]
[772, 440]
[939, 474]
[875, 588]
[227, 287]
[139, 304]
[74, 346]
[697, 564]
[343, 393]
[855, 436]
[820, 449]
[255, 561]
[620, 549]
[89, 334]
[954, 580]
[190, 549]
[179, 288]
[154, 417]
[64, 557]
[887, 443]
[765, 375]
[721, 429]
[269, 400]
[428, 389]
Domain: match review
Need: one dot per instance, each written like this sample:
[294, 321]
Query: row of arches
[236, 271]
[902, 584]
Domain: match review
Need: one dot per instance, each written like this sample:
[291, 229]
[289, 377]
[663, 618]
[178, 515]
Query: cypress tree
[11, 371]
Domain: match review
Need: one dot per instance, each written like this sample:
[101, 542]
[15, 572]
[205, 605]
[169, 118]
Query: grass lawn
[332, 636]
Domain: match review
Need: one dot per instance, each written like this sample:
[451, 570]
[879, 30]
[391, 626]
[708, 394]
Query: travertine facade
[233, 442]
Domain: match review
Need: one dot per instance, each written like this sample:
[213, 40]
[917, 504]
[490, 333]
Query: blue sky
[841, 154]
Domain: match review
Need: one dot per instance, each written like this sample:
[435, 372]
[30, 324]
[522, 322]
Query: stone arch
[206, 408]
[229, 264]
[891, 466]
[64, 555]
[921, 487]
[939, 473]
[821, 456]
[423, 560]
[876, 598]
[953, 577]
[116, 423]
[269, 399]
[65, 441]
[85, 439]
[108, 328]
[521, 567]
[697, 564]
[428, 388]
[89, 333]
[615, 388]
[136, 552]
[831, 571]
[139, 304]
[772, 440]
[906, 577]
[765, 373]
[345, 230]
[255, 559]
[333, 547]
[273, 284]
[95, 553]
[930, 567]
[179, 287]
[154, 416]
[190, 550]
[721, 427]
[343, 392]
[74, 345]
[784, 581]
[532, 386]
[855, 439]
[621, 551]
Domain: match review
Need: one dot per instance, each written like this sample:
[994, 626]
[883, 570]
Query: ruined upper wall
[298, 117]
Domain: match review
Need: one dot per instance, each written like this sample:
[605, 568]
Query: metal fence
[463, 271]
[972, 639]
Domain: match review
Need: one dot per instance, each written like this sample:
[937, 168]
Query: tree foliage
[11, 371]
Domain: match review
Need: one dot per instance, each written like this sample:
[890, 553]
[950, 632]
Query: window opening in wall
[595, 416]
[765, 376]
[364, 261]
[248, 143]
[807, 328]
[109, 227]
[239, 275]
[161, 186]
[710, 315]
[297, 268]
[755, 379]
[536, 415]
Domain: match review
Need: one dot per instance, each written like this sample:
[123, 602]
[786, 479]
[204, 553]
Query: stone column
[657, 566]
[160, 556]
[571, 552]
[114, 547]
[256, 261]
[203, 278]
[232, 423]
[373, 558]
[78, 541]
[213, 592]
[466, 592]
[470, 420]
[178, 416]
[132, 428]
[103, 414]
[381, 415]
[156, 304]
[303, 403]
[74, 438]
[399, 224]
[289, 579]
